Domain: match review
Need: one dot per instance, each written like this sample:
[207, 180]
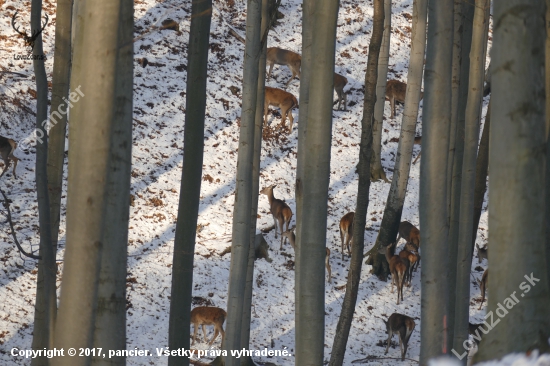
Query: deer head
[29, 40]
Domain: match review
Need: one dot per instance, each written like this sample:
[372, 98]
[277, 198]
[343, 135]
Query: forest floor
[159, 106]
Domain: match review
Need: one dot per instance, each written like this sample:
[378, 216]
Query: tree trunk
[243, 202]
[547, 90]
[110, 322]
[376, 169]
[433, 181]
[396, 197]
[516, 210]
[188, 208]
[310, 317]
[471, 139]
[46, 299]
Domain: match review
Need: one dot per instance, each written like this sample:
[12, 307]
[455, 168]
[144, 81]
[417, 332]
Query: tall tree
[46, 300]
[396, 197]
[360, 218]
[101, 43]
[433, 180]
[310, 317]
[471, 138]
[188, 208]
[376, 169]
[547, 105]
[243, 199]
[516, 211]
[110, 322]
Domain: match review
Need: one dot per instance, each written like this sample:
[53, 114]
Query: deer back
[279, 98]
[410, 233]
[283, 57]
[208, 315]
[396, 89]
[339, 81]
[346, 223]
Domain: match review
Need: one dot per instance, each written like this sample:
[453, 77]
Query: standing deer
[280, 211]
[207, 315]
[339, 84]
[395, 92]
[409, 232]
[283, 57]
[398, 269]
[292, 239]
[413, 259]
[414, 250]
[403, 326]
[346, 231]
[282, 99]
[481, 253]
[483, 286]
[418, 141]
[7, 147]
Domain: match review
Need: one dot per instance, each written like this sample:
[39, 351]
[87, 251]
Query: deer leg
[6, 166]
[389, 340]
[223, 334]
[270, 69]
[291, 119]
[216, 332]
[327, 264]
[284, 112]
[266, 110]
[204, 333]
[348, 244]
[281, 226]
[275, 224]
[345, 101]
[195, 326]
[342, 240]
[15, 161]
[401, 347]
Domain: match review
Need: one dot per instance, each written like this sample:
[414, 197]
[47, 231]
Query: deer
[289, 234]
[398, 269]
[482, 253]
[339, 84]
[413, 259]
[279, 56]
[29, 40]
[483, 286]
[414, 250]
[7, 147]
[409, 232]
[403, 326]
[418, 141]
[395, 92]
[208, 315]
[346, 231]
[279, 209]
[282, 99]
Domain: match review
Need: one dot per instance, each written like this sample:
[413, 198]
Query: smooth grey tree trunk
[110, 322]
[396, 197]
[360, 218]
[188, 207]
[471, 139]
[310, 318]
[46, 299]
[517, 161]
[89, 167]
[433, 181]
[547, 90]
[376, 169]
[243, 198]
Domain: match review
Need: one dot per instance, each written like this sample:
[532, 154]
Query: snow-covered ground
[159, 105]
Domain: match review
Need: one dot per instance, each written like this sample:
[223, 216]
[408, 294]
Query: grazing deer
[481, 253]
[483, 286]
[403, 326]
[289, 234]
[283, 57]
[346, 231]
[398, 269]
[282, 99]
[280, 211]
[409, 232]
[339, 84]
[395, 92]
[418, 141]
[208, 315]
[7, 147]
[413, 259]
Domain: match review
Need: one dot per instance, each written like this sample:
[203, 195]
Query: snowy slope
[159, 105]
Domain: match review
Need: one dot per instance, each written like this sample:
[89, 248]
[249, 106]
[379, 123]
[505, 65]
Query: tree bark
[310, 317]
[433, 181]
[46, 299]
[517, 159]
[471, 139]
[360, 218]
[396, 197]
[110, 322]
[376, 169]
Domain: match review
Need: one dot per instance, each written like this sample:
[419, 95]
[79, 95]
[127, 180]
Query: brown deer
[280, 211]
[346, 232]
[7, 147]
[339, 84]
[482, 253]
[483, 286]
[413, 259]
[403, 326]
[207, 315]
[409, 232]
[283, 57]
[418, 141]
[414, 250]
[398, 269]
[395, 92]
[282, 99]
[289, 234]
